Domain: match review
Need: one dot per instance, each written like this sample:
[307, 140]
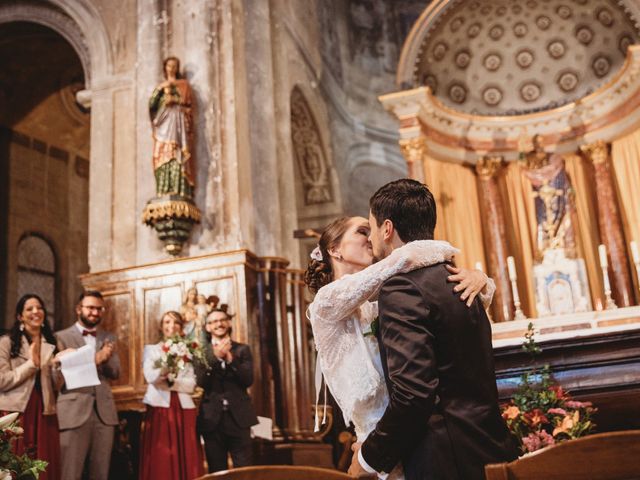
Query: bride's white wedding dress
[341, 316]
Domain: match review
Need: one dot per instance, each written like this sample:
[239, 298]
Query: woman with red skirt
[169, 448]
[26, 386]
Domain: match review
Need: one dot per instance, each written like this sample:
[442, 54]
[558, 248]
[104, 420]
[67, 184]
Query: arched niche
[312, 166]
[78, 21]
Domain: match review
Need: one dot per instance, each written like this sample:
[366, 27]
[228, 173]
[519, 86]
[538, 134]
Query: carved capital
[487, 166]
[596, 152]
[413, 149]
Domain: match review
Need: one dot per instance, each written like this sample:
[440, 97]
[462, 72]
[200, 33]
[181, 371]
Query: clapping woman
[169, 446]
[26, 386]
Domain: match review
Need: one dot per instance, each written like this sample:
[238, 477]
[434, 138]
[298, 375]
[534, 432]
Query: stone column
[414, 149]
[494, 236]
[610, 223]
[148, 73]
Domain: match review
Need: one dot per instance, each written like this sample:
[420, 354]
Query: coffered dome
[502, 57]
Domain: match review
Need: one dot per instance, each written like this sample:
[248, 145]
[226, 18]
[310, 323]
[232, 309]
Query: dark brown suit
[443, 420]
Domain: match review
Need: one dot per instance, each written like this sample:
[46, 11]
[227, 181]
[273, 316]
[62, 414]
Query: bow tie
[88, 332]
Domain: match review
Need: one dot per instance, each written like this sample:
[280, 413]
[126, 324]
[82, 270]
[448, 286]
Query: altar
[593, 355]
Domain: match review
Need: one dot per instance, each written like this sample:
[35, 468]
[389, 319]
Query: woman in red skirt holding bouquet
[26, 386]
[170, 448]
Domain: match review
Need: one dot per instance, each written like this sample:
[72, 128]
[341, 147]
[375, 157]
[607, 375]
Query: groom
[443, 420]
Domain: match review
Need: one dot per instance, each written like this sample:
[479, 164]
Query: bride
[344, 313]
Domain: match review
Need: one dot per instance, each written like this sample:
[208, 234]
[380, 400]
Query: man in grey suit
[87, 416]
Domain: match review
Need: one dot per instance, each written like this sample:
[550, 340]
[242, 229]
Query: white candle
[634, 252]
[511, 264]
[479, 266]
[607, 284]
[602, 251]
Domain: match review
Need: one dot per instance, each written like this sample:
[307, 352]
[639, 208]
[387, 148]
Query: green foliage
[375, 324]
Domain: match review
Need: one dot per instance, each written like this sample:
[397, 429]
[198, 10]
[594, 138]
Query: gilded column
[413, 150]
[610, 223]
[494, 236]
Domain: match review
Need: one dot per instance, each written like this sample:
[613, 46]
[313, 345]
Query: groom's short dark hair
[409, 205]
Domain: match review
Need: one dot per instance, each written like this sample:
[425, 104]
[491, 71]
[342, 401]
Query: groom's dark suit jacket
[443, 420]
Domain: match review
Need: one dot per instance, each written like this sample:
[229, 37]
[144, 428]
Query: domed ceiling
[501, 57]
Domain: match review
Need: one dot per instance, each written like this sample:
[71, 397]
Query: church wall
[242, 60]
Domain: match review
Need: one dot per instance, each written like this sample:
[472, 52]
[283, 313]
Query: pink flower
[576, 404]
[531, 442]
[546, 438]
[537, 440]
[557, 411]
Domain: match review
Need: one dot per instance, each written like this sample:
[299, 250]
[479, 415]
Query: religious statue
[191, 312]
[172, 213]
[189, 300]
[554, 200]
[171, 114]
[560, 277]
[202, 309]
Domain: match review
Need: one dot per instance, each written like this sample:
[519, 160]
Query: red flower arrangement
[541, 413]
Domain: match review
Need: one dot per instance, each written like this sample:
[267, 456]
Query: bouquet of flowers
[541, 413]
[13, 466]
[177, 353]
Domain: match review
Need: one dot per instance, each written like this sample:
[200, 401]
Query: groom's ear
[387, 230]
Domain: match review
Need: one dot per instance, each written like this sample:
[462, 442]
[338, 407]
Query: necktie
[88, 332]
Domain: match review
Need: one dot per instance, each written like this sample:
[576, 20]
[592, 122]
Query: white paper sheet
[264, 429]
[79, 368]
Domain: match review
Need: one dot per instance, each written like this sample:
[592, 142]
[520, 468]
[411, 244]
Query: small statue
[171, 114]
[189, 300]
[172, 213]
[202, 309]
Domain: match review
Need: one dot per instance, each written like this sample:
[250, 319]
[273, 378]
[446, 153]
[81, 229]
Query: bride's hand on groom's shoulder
[470, 282]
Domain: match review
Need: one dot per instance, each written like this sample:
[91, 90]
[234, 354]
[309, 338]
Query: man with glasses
[87, 416]
[226, 412]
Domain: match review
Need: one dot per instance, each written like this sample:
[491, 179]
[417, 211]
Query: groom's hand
[470, 282]
[356, 470]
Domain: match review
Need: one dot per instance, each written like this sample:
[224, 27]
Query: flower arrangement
[177, 353]
[541, 413]
[12, 466]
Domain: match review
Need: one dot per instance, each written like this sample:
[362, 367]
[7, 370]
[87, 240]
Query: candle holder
[609, 304]
[519, 314]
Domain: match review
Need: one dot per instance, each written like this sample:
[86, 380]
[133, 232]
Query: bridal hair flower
[316, 254]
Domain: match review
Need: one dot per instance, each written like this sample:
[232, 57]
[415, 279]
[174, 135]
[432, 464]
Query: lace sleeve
[486, 295]
[339, 299]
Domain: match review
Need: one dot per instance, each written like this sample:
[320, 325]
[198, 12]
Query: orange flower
[568, 422]
[511, 412]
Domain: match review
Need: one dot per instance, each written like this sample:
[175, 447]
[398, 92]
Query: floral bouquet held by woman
[177, 353]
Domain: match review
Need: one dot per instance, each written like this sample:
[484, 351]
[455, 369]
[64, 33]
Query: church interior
[522, 118]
